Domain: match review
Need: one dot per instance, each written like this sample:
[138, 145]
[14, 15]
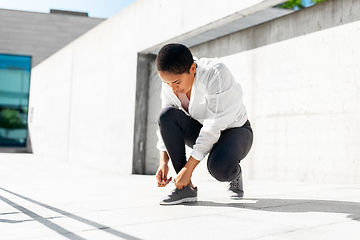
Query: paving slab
[43, 199]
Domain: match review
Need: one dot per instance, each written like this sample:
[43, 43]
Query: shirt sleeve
[224, 99]
[165, 99]
[165, 102]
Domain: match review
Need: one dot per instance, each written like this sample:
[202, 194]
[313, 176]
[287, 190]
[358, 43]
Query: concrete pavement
[44, 199]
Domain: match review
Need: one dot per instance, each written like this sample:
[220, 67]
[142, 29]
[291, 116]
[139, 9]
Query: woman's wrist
[164, 158]
[191, 164]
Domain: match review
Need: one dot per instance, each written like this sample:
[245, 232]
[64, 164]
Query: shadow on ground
[289, 205]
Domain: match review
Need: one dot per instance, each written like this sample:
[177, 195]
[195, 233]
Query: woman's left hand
[183, 178]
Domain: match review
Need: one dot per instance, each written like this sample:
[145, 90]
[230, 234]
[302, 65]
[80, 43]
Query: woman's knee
[223, 172]
[166, 114]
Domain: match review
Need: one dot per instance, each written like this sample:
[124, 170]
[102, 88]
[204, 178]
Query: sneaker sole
[235, 198]
[190, 199]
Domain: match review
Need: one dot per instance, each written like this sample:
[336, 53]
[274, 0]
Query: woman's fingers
[159, 177]
[161, 184]
[164, 182]
[179, 185]
[167, 180]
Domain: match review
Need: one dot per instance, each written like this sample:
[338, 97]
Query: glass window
[14, 99]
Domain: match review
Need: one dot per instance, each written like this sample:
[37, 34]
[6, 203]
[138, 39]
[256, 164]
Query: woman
[202, 107]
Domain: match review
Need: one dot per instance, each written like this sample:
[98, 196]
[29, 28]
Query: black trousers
[178, 129]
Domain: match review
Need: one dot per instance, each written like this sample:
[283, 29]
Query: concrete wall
[40, 34]
[83, 98]
[301, 88]
[304, 94]
[301, 80]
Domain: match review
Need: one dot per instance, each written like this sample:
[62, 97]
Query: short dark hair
[174, 58]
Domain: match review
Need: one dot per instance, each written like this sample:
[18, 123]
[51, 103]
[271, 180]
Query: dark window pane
[14, 99]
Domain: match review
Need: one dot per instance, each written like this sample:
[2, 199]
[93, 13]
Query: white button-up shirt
[216, 101]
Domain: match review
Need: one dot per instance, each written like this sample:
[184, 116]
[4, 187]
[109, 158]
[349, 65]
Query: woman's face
[180, 83]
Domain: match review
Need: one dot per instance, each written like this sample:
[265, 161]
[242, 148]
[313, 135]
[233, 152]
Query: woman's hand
[162, 172]
[161, 175]
[184, 176]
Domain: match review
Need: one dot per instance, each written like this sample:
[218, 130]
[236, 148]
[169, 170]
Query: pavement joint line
[9, 213]
[58, 228]
[40, 219]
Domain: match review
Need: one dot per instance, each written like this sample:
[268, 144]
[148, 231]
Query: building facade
[26, 39]
[299, 73]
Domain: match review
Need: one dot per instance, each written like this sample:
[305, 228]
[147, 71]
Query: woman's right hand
[161, 175]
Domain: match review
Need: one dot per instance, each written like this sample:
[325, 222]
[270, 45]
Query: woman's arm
[184, 176]
[224, 106]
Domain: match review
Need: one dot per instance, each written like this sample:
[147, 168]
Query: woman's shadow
[289, 205]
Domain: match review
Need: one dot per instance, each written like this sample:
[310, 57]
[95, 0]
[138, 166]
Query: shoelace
[235, 184]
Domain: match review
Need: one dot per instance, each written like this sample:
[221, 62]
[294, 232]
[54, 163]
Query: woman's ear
[193, 68]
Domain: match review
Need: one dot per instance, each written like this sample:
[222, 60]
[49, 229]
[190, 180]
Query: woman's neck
[188, 94]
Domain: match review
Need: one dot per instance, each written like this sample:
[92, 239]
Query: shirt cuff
[160, 144]
[197, 156]
[161, 148]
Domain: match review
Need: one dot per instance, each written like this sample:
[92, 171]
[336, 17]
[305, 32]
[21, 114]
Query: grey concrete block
[38, 33]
